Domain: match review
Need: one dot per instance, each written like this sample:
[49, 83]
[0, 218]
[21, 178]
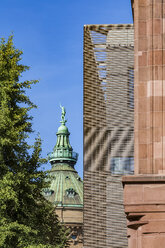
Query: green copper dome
[66, 187]
[63, 130]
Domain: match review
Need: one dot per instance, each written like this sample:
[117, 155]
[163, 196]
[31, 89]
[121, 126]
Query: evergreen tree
[27, 219]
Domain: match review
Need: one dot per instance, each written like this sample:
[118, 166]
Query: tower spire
[63, 151]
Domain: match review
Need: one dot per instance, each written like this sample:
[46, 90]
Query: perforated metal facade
[108, 131]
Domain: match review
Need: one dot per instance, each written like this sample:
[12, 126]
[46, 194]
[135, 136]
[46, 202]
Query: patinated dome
[66, 186]
[63, 129]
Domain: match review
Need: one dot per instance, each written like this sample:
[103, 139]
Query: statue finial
[63, 115]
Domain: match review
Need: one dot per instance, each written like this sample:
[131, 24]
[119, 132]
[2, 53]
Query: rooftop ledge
[149, 178]
[63, 154]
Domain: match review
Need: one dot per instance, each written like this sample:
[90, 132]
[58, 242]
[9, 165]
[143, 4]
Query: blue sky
[50, 33]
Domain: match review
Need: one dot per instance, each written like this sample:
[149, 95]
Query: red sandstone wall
[149, 25]
[144, 195]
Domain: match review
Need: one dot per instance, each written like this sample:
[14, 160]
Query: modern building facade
[108, 131]
[144, 193]
[66, 187]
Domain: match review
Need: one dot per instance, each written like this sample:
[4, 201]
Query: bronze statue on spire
[63, 114]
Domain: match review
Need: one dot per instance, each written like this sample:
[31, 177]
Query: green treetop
[26, 218]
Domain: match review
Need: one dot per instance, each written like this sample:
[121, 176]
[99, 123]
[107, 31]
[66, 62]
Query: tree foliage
[27, 219]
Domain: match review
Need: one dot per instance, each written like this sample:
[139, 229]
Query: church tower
[66, 188]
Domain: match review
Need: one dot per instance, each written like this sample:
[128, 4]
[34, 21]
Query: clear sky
[50, 33]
